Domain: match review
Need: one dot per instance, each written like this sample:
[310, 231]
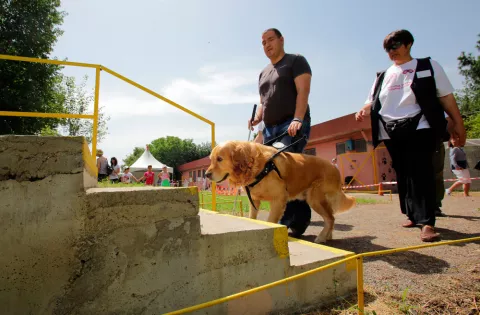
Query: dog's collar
[269, 166]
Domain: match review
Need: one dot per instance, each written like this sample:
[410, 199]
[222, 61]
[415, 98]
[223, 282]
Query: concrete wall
[68, 249]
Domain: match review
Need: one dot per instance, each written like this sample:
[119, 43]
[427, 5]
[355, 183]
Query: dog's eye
[219, 159]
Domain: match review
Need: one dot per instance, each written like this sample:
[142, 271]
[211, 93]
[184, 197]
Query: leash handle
[253, 112]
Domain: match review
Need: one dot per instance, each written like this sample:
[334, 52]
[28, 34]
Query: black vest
[425, 90]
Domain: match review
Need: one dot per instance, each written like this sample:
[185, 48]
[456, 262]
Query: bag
[109, 169]
[462, 164]
[401, 128]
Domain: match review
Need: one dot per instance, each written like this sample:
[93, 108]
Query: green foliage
[48, 131]
[174, 151]
[469, 97]
[472, 125]
[76, 100]
[132, 157]
[30, 29]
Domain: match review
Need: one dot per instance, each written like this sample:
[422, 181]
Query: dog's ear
[242, 161]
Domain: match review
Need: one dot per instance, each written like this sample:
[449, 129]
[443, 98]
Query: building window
[360, 145]
[310, 151]
[190, 174]
[203, 173]
[340, 148]
[198, 173]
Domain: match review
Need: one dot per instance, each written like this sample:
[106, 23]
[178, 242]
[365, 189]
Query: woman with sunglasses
[407, 104]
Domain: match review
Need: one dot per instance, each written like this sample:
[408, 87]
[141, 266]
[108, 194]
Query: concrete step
[303, 255]
[308, 255]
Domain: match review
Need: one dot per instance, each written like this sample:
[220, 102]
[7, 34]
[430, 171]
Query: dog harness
[269, 166]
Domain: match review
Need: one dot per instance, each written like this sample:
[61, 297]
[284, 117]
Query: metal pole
[95, 112]
[214, 186]
[361, 306]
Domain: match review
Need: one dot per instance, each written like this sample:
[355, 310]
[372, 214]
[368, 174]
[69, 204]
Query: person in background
[148, 176]
[407, 104]
[164, 176]
[459, 165]
[102, 164]
[127, 176]
[115, 171]
[334, 162]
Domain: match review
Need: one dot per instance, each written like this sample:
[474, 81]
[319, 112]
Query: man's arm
[457, 132]
[302, 83]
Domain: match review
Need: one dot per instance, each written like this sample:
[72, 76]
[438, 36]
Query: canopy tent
[147, 159]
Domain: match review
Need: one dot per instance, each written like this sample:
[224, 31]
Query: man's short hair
[402, 36]
[276, 31]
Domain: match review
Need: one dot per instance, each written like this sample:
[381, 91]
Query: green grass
[225, 203]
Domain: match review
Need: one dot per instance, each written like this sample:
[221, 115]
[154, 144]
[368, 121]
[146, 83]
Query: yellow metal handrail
[359, 264]
[94, 117]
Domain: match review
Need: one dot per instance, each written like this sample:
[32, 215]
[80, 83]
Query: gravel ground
[438, 280]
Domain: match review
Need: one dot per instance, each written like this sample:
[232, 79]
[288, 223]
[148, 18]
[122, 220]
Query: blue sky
[206, 55]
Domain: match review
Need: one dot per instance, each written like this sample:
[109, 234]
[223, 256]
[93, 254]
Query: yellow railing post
[241, 208]
[95, 112]
[214, 186]
[374, 164]
[361, 302]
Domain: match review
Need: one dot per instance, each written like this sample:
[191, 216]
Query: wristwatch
[298, 119]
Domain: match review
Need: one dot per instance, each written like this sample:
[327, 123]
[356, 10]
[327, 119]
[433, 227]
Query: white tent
[141, 165]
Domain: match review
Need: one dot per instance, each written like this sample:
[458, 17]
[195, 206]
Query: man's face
[149, 168]
[272, 45]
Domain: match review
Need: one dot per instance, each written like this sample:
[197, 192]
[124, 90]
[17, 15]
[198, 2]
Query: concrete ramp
[70, 248]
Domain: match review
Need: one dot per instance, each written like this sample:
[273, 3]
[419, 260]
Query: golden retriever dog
[304, 177]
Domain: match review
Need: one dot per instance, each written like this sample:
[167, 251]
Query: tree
[469, 97]
[76, 100]
[132, 157]
[30, 29]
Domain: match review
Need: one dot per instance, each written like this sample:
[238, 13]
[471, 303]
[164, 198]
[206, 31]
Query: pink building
[342, 138]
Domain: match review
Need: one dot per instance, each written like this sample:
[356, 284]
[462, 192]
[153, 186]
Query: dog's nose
[208, 175]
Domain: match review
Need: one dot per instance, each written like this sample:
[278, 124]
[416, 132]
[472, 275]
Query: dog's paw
[320, 239]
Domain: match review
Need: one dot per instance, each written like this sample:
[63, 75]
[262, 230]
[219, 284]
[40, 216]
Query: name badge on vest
[424, 74]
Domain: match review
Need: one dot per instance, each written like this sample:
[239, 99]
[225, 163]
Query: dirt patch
[438, 280]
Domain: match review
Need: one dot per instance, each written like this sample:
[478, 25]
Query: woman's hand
[364, 112]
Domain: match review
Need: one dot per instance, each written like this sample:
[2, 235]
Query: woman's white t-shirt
[114, 175]
[397, 98]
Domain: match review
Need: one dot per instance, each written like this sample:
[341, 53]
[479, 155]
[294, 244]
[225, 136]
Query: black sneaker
[439, 213]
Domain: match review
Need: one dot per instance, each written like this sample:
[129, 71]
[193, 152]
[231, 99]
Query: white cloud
[217, 94]
[215, 87]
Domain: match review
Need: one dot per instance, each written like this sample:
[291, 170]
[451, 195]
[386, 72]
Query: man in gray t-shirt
[284, 87]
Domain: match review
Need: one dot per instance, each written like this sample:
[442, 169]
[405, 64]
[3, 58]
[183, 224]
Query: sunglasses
[393, 46]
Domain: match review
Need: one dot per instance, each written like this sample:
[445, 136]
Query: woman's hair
[402, 36]
[450, 144]
[113, 159]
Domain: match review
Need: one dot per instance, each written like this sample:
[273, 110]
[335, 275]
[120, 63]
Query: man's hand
[294, 127]
[252, 123]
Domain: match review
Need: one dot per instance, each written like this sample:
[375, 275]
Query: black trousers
[412, 159]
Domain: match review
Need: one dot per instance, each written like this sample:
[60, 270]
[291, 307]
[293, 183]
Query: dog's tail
[344, 202]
